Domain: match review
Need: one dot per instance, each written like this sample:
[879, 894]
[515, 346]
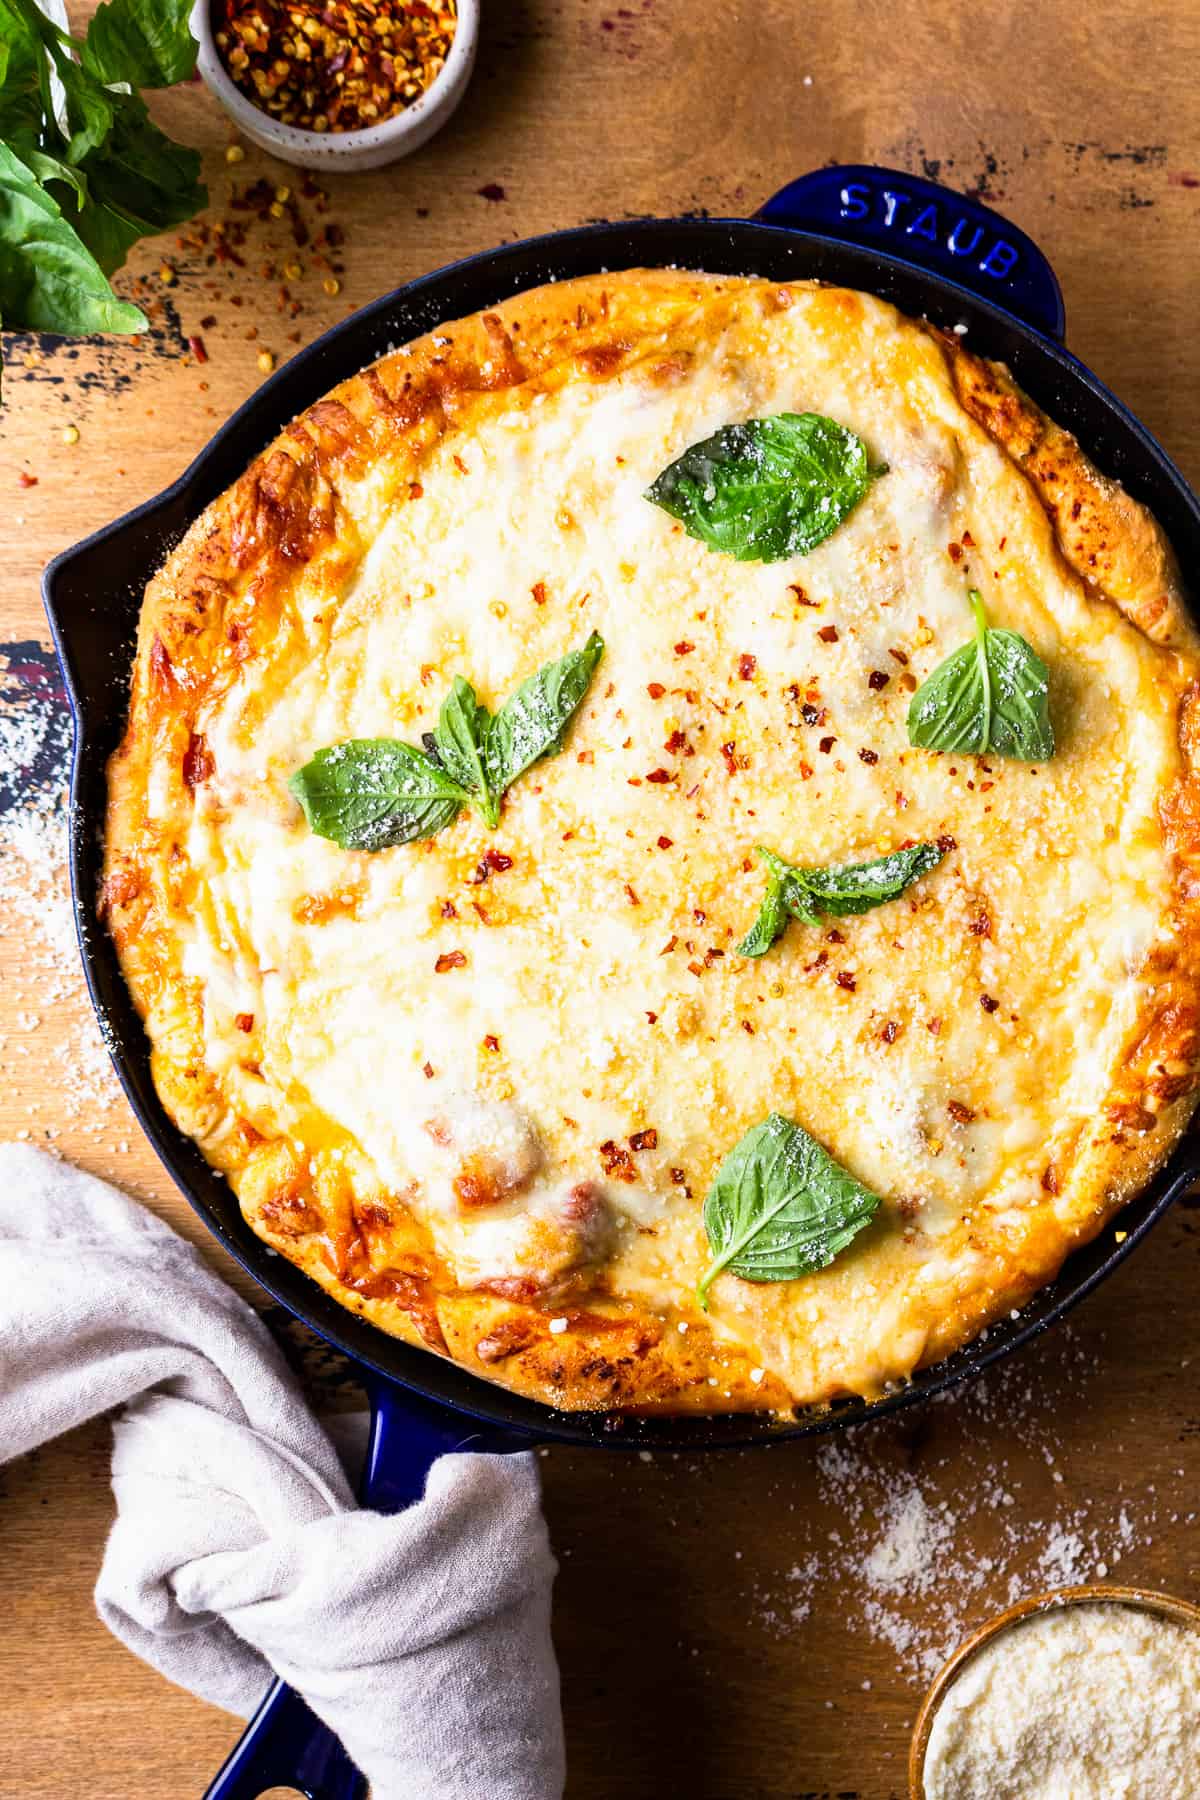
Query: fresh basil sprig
[780, 1207]
[805, 894]
[84, 171]
[992, 694]
[768, 488]
[374, 793]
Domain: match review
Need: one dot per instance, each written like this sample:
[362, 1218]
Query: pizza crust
[300, 523]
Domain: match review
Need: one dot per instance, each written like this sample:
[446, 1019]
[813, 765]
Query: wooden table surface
[754, 1626]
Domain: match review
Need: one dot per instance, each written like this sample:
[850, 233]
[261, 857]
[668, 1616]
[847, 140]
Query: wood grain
[690, 1664]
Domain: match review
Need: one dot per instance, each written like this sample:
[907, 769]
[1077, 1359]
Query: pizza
[655, 843]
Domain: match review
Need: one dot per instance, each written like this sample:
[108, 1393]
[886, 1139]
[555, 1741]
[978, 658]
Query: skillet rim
[1135, 458]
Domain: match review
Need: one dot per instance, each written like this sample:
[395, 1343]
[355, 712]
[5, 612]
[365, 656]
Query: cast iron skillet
[927, 249]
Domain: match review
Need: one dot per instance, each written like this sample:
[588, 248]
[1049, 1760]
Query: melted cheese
[603, 961]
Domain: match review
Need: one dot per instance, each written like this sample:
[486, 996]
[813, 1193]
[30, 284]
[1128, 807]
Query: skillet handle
[930, 226]
[285, 1744]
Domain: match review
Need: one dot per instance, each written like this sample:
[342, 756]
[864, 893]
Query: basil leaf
[780, 1207]
[373, 793]
[992, 694]
[532, 722]
[771, 921]
[82, 136]
[859, 887]
[806, 893]
[766, 489]
[147, 43]
[139, 181]
[459, 740]
[48, 279]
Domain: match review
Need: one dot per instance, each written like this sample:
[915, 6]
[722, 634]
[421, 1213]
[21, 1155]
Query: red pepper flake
[980, 926]
[934, 1027]
[679, 1177]
[653, 1018]
[747, 1027]
[962, 1115]
[196, 346]
[427, 1071]
[415, 491]
[244, 1021]
[834, 936]
[813, 715]
[449, 910]
[802, 598]
[538, 590]
[870, 757]
[826, 745]
[198, 764]
[26, 480]
[988, 1004]
[665, 843]
[818, 962]
[1051, 1180]
[828, 634]
[890, 1032]
[845, 980]
[683, 648]
[494, 862]
[644, 1140]
[491, 190]
[450, 959]
[491, 1042]
[900, 657]
[660, 775]
[877, 680]
[955, 552]
[631, 896]
[668, 946]
[617, 1161]
[968, 540]
[729, 752]
[677, 744]
[946, 843]
[806, 771]
[747, 666]
[712, 955]
[655, 689]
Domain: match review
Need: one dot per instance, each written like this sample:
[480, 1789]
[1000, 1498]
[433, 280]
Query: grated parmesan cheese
[1086, 1702]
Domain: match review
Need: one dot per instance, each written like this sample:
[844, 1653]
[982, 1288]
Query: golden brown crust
[1114, 545]
[223, 596]
[1119, 551]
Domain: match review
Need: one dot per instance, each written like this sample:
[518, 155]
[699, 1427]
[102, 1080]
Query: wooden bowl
[1183, 1612]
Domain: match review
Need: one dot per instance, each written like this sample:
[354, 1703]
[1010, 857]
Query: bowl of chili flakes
[337, 84]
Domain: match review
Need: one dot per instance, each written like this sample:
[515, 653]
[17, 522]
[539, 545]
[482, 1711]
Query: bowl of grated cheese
[1086, 1693]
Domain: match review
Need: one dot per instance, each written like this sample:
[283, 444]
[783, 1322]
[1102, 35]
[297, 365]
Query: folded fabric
[421, 1638]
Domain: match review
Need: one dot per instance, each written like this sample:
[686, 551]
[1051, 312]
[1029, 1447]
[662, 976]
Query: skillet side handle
[930, 226]
[285, 1744]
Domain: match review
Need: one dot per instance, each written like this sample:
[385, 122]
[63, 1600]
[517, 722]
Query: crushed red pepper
[335, 65]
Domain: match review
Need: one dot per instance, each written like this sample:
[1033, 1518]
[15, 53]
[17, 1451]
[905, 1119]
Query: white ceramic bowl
[334, 150]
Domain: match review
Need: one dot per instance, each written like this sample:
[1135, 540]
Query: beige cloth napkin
[422, 1639]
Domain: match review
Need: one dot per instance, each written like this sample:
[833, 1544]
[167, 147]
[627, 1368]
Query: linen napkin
[422, 1638]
